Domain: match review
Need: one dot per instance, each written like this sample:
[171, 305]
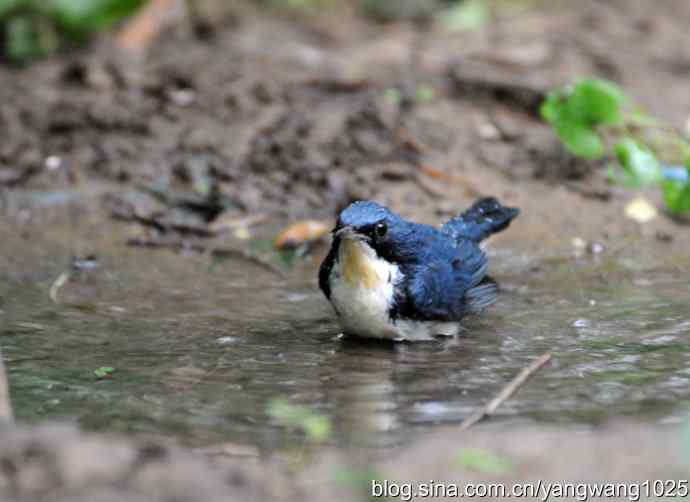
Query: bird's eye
[380, 229]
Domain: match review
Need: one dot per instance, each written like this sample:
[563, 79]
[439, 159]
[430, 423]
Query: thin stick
[57, 284]
[5, 405]
[506, 392]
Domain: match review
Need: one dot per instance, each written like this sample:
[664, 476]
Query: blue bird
[389, 278]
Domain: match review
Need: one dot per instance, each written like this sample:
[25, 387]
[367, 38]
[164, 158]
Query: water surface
[201, 346]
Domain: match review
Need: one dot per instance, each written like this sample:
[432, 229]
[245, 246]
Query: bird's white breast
[362, 292]
[362, 289]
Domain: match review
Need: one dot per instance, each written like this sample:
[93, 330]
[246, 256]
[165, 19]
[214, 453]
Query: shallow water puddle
[200, 347]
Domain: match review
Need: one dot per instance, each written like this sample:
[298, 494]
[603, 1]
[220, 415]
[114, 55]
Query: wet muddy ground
[276, 119]
[201, 345]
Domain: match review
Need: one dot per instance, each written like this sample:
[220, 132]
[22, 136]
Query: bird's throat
[358, 264]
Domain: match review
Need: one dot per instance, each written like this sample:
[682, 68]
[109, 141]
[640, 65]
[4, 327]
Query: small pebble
[297, 297]
[242, 233]
[641, 210]
[488, 131]
[53, 162]
[579, 243]
[595, 248]
[183, 97]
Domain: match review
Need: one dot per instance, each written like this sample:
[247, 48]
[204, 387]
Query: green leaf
[594, 102]
[29, 36]
[676, 195]
[103, 371]
[640, 165]
[579, 139]
[575, 112]
[465, 16]
[359, 480]
[22, 39]
[316, 427]
[7, 6]
[612, 174]
[425, 93]
[480, 460]
[552, 106]
[81, 18]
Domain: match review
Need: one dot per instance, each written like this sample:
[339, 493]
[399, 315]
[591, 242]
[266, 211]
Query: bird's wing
[450, 284]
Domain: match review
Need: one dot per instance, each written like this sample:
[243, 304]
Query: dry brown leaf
[302, 232]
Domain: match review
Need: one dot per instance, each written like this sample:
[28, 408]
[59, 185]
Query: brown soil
[290, 117]
[57, 463]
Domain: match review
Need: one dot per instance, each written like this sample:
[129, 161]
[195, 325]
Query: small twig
[199, 248]
[516, 95]
[6, 415]
[27, 359]
[229, 450]
[161, 226]
[506, 392]
[334, 85]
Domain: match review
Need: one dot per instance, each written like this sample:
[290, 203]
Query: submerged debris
[59, 282]
[77, 265]
[302, 232]
[506, 392]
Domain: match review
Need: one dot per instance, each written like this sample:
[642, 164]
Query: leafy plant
[103, 371]
[465, 16]
[81, 18]
[677, 195]
[316, 427]
[35, 28]
[578, 110]
[639, 164]
[359, 479]
[484, 461]
[593, 119]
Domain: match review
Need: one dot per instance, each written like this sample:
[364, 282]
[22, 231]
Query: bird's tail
[486, 216]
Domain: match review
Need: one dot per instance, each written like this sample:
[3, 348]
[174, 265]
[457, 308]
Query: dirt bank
[57, 463]
[296, 117]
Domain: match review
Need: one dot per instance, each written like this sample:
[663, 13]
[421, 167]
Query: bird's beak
[348, 232]
[342, 231]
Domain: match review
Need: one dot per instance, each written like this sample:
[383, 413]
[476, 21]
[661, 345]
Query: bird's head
[369, 222]
[366, 233]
